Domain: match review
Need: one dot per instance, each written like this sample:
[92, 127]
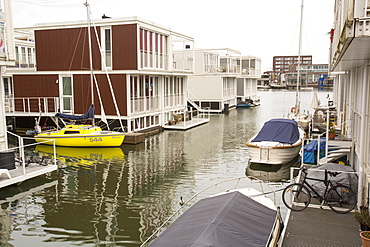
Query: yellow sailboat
[80, 135]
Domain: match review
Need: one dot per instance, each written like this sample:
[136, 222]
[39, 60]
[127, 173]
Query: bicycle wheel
[341, 199]
[296, 197]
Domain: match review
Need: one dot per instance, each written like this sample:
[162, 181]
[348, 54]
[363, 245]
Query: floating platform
[134, 138]
[20, 173]
[14, 170]
[184, 125]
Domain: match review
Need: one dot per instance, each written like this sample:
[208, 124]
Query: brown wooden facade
[140, 72]
[67, 50]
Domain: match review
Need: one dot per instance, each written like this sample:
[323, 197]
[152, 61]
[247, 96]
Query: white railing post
[28, 105]
[39, 104]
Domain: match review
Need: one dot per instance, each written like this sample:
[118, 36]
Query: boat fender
[292, 110]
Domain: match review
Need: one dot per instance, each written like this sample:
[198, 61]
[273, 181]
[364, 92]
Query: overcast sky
[261, 28]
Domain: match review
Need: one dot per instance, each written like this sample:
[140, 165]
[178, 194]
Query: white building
[221, 77]
[349, 65]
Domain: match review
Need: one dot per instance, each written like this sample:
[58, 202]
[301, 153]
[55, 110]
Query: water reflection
[271, 173]
[22, 210]
[81, 157]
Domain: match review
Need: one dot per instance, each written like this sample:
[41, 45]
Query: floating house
[349, 68]
[221, 78]
[141, 82]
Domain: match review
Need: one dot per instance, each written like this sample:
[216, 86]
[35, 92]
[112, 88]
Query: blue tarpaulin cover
[279, 130]
[231, 219]
[88, 115]
[310, 150]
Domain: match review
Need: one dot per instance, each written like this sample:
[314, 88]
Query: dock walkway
[320, 227]
[19, 174]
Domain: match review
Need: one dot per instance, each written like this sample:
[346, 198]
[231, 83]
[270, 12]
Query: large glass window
[153, 50]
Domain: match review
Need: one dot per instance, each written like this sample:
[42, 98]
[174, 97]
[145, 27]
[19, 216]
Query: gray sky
[261, 28]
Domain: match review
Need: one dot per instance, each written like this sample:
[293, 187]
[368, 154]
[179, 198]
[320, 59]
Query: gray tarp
[231, 219]
[349, 179]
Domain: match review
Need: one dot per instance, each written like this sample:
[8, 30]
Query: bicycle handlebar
[331, 173]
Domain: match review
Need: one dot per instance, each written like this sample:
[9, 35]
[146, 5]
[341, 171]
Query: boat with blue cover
[278, 142]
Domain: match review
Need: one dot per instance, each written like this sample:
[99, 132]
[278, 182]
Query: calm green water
[119, 197]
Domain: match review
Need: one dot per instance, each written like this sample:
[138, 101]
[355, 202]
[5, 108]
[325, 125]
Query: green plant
[332, 130]
[362, 216]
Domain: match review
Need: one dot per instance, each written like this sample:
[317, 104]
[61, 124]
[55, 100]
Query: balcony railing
[32, 105]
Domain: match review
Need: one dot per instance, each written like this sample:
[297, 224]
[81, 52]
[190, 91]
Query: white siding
[205, 87]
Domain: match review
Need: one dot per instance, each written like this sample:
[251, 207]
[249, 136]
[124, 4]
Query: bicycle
[340, 198]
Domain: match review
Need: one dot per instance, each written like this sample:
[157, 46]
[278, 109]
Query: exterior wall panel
[82, 94]
[66, 49]
[124, 47]
[36, 86]
[33, 87]
[205, 88]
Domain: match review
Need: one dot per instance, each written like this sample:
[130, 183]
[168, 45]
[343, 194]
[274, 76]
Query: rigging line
[87, 100]
[102, 112]
[108, 77]
[74, 51]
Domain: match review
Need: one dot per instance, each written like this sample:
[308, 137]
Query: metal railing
[20, 148]
[32, 105]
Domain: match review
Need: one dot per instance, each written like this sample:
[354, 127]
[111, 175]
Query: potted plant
[332, 133]
[363, 217]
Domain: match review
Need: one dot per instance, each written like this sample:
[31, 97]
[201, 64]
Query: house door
[66, 94]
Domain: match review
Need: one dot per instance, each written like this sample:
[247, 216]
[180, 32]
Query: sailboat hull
[81, 136]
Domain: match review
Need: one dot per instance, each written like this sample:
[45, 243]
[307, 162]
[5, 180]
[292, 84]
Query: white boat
[278, 142]
[303, 119]
[239, 217]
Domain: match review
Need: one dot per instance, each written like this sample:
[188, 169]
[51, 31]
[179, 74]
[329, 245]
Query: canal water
[119, 196]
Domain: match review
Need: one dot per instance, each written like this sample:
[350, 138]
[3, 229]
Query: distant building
[313, 75]
[285, 72]
[221, 78]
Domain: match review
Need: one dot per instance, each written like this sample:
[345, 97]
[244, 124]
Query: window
[153, 49]
[30, 57]
[107, 47]
[17, 56]
[23, 57]
[66, 93]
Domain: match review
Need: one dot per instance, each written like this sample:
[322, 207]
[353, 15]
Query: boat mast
[297, 103]
[90, 55]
